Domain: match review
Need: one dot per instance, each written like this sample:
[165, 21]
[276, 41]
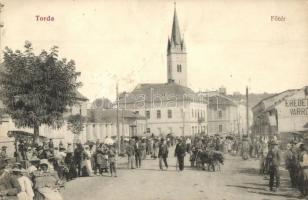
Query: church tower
[176, 55]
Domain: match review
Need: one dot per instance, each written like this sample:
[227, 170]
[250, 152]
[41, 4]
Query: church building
[170, 107]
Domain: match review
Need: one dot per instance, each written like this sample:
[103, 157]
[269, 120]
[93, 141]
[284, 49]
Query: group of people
[38, 181]
[38, 171]
[137, 149]
[296, 161]
[271, 157]
[73, 160]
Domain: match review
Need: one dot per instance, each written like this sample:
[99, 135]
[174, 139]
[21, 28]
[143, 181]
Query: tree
[75, 123]
[37, 89]
[101, 103]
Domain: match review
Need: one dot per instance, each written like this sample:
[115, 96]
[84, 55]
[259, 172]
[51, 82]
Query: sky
[229, 43]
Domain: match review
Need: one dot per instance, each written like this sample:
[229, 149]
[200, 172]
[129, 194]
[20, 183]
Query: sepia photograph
[153, 99]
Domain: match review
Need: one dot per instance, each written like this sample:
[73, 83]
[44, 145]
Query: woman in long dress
[87, 159]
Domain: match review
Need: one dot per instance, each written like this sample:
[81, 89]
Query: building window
[192, 113]
[137, 112]
[148, 130]
[169, 113]
[220, 128]
[179, 68]
[158, 114]
[148, 114]
[220, 114]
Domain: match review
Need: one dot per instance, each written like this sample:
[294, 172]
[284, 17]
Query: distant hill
[254, 99]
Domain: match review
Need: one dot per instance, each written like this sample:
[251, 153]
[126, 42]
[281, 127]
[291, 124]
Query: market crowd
[39, 171]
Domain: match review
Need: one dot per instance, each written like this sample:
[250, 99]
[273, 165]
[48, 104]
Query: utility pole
[183, 117]
[80, 121]
[238, 123]
[247, 111]
[118, 130]
[1, 26]
[123, 122]
[207, 113]
[1, 53]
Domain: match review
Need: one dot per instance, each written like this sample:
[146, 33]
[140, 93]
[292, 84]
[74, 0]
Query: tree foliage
[101, 103]
[37, 89]
[75, 123]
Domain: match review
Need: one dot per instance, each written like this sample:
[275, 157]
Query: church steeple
[176, 54]
[175, 34]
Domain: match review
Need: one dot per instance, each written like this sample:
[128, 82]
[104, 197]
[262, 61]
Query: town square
[158, 100]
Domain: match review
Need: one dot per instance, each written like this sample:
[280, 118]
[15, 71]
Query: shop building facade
[284, 115]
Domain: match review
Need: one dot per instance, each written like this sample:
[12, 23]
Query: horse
[212, 158]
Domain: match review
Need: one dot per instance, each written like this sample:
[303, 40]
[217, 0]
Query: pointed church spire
[175, 35]
[176, 55]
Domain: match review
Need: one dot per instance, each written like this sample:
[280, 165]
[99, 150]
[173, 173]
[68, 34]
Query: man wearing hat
[9, 186]
[130, 154]
[163, 153]
[78, 157]
[303, 170]
[245, 148]
[22, 148]
[155, 147]
[3, 152]
[17, 165]
[180, 151]
[138, 153]
[29, 153]
[273, 159]
[292, 163]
